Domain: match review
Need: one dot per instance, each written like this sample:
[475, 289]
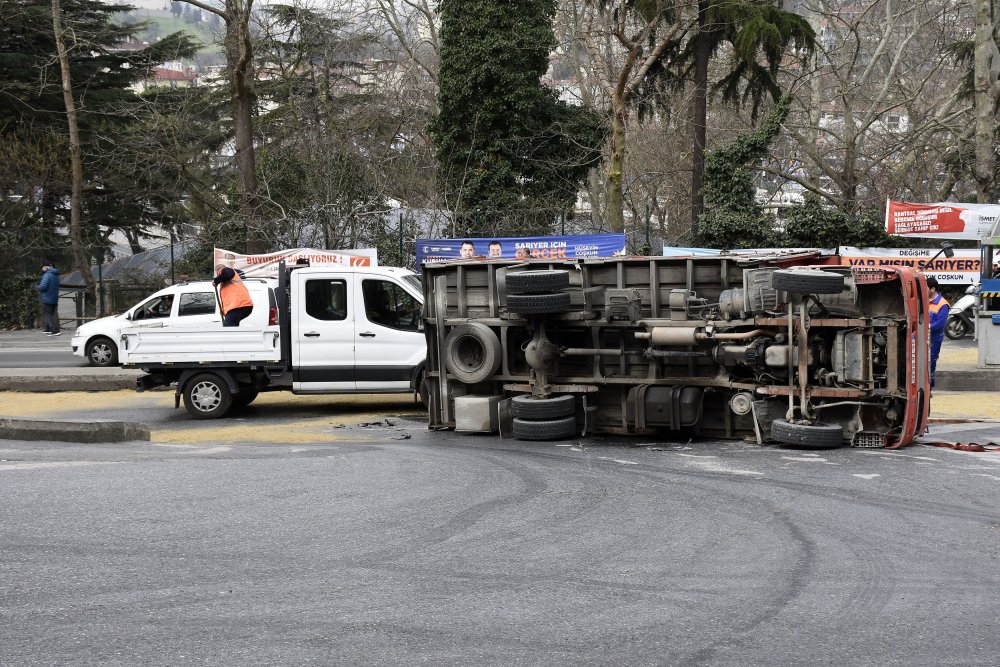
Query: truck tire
[533, 282]
[245, 398]
[810, 436]
[809, 281]
[101, 351]
[538, 304]
[526, 406]
[472, 352]
[956, 328]
[549, 429]
[207, 396]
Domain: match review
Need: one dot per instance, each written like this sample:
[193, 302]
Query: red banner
[945, 220]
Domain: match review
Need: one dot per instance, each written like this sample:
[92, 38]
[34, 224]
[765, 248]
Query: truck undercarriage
[769, 349]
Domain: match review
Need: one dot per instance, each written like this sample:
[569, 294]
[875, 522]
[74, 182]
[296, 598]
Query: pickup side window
[326, 299]
[196, 303]
[389, 305]
[155, 308]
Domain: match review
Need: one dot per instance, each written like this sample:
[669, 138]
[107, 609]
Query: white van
[189, 304]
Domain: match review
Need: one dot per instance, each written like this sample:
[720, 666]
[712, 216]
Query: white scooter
[960, 323]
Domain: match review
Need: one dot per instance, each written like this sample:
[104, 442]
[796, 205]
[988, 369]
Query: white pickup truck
[338, 329]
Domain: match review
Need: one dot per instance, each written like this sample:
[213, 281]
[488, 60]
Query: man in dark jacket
[48, 294]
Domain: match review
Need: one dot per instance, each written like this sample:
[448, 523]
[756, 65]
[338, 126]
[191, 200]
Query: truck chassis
[793, 349]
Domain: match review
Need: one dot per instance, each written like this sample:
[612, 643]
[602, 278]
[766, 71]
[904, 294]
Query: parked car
[188, 304]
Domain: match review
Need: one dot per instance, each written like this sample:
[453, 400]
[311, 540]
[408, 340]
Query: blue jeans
[935, 351]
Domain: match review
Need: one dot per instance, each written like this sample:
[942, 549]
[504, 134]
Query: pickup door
[354, 332]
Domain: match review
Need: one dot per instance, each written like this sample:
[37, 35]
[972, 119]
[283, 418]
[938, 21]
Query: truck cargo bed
[200, 345]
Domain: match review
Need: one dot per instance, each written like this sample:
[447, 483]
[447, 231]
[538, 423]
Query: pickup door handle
[366, 334]
[311, 334]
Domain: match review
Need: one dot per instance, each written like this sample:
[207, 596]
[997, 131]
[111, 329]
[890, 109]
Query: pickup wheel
[245, 398]
[472, 352]
[538, 304]
[809, 436]
[809, 281]
[207, 396]
[548, 429]
[529, 407]
[102, 352]
[529, 282]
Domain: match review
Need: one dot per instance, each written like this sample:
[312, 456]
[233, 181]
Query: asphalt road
[33, 349]
[389, 544]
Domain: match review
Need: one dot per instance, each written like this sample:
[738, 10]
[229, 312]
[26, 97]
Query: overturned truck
[793, 349]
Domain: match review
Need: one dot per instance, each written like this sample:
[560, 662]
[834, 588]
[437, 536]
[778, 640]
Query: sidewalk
[957, 371]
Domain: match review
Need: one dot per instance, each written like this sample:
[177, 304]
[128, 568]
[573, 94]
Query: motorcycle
[960, 316]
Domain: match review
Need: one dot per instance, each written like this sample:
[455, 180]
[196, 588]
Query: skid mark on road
[713, 464]
[809, 458]
[42, 465]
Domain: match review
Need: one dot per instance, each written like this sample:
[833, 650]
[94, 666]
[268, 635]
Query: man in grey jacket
[48, 294]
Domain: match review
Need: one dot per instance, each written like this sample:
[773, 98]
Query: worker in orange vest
[236, 302]
[939, 309]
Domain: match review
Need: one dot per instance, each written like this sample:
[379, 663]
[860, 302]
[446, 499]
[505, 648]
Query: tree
[238, 45]
[627, 43]
[759, 36]
[506, 144]
[76, 44]
[733, 218]
[814, 224]
[986, 95]
[878, 114]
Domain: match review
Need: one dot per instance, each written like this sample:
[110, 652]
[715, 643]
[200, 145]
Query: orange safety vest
[234, 294]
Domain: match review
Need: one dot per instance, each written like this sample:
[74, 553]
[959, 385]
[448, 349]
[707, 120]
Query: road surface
[382, 543]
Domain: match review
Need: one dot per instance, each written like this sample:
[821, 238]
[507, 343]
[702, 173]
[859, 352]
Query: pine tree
[35, 181]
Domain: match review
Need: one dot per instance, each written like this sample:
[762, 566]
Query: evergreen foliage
[813, 225]
[35, 176]
[733, 218]
[503, 141]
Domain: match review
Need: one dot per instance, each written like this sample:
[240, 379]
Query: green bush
[19, 307]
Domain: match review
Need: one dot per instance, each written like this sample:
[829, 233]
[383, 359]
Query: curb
[78, 431]
[19, 380]
[975, 380]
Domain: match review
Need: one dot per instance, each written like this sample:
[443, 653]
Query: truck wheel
[207, 396]
[244, 398]
[810, 281]
[549, 429]
[956, 329]
[472, 352]
[530, 282]
[810, 436]
[538, 304]
[526, 406]
[102, 352]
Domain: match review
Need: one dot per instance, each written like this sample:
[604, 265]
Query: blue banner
[521, 247]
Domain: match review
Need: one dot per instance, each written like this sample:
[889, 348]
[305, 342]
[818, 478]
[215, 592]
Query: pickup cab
[336, 329]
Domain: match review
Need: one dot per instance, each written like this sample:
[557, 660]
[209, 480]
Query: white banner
[266, 266]
[962, 269]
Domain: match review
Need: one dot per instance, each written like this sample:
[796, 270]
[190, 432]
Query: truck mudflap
[794, 350]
